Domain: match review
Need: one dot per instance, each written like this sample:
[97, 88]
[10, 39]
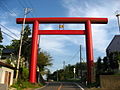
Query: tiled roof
[7, 51]
[114, 44]
[6, 65]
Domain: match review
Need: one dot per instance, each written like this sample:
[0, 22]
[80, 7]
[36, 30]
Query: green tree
[99, 70]
[79, 67]
[106, 65]
[44, 60]
[26, 45]
[99, 66]
[15, 45]
[27, 32]
[48, 75]
[114, 60]
[69, 72]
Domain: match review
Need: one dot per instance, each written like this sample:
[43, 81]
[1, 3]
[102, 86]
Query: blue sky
[63, 47]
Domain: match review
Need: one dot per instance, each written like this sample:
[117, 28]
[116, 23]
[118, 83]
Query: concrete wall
[110, 81]
[3, 87]
[2, 75]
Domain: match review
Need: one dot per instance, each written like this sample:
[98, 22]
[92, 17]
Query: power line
[11, 32]
[23, 5]
[2, 8]
[25, 42]
[70, 59]
[70, 55]
[8, 30]
[20, 3]
[75, 54]
[5, 7]
[28, 5]
[8, 9]
[8, 35]
[67, 57]
[32, 7]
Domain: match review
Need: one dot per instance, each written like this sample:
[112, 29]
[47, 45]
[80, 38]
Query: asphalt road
[61, 86]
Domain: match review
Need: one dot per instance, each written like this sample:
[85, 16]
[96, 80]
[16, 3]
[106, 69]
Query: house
[6, 74]
[6, 53]
[114, 45]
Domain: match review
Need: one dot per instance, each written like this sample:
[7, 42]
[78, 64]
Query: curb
[41, 87]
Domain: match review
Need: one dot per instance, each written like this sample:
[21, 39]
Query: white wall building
[6, 74]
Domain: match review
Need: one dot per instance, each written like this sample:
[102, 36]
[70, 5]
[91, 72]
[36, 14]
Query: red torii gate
[46, 20]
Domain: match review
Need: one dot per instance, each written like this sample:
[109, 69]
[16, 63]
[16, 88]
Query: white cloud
[7, 39]
[58, 43]
[52, 43]
[91, 8]
[13, 14]
[6, 22]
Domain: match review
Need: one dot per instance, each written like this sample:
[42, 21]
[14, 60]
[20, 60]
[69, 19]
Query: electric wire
[75, 55]
[32, 7]
[2, 8]
[9, 30]
[72, 58]
[5, 7]
[23, 5]
[28, 5]
[8, 35]
[25, 42]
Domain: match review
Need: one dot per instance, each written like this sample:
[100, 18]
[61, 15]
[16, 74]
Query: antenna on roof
[118, 18]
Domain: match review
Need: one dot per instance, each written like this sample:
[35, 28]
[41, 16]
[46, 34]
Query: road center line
[60, 87]
[79, 86]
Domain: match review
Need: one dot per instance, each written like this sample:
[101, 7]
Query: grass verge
[24, 85]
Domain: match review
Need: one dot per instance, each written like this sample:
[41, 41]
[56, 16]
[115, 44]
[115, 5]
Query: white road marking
[60, 87]
[79, 86]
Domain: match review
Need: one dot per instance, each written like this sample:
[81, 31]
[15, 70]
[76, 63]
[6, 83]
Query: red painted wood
[34, 52]
[74, 20]
[63, 20]
[89, 51]
[61, 32]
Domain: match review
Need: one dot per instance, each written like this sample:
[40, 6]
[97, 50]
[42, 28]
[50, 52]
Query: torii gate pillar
[89, 52]
[87, 32]
[34, 52]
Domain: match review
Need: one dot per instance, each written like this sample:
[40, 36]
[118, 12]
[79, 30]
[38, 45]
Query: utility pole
[64, 65]
[74, 72]
[118, 18]
[26, 11]
[57, 74]
[81, 61]
[1, 49]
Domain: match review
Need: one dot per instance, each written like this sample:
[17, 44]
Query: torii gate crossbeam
[69, 20]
